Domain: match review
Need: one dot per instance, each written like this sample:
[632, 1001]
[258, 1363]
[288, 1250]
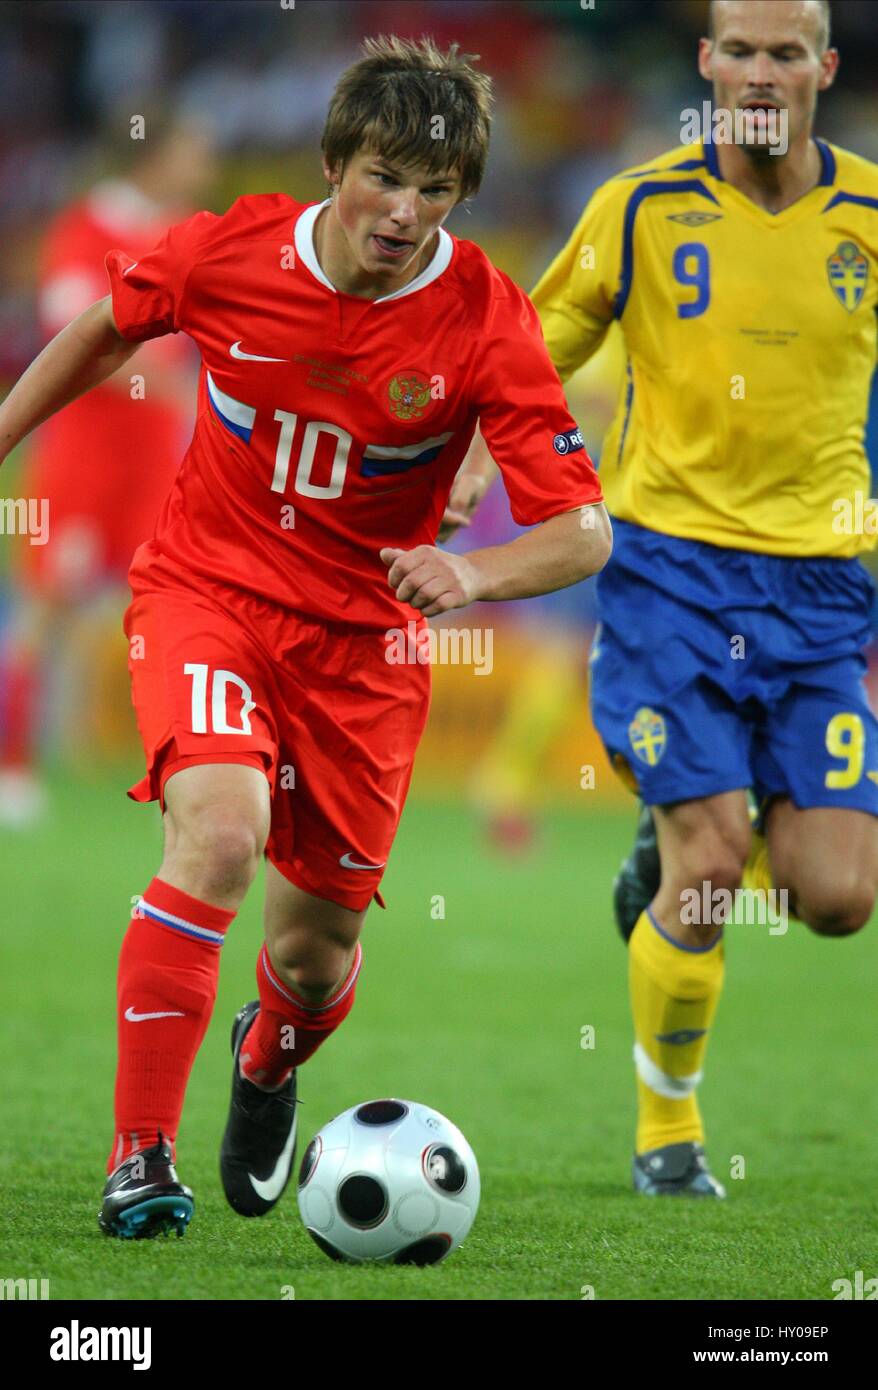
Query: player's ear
[332, 174]
[829, 62]
[705, 58]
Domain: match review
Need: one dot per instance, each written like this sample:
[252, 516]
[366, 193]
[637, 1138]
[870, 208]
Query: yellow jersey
[750, 340]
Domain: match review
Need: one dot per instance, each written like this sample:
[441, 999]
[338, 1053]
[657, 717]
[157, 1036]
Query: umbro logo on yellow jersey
[694, 219]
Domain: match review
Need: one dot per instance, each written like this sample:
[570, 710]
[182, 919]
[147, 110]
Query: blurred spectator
[101, 468]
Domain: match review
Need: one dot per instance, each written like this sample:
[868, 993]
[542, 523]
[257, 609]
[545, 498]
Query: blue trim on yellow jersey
[827, 162]
[859, 198]
[629, 401]
[647, 190]
[711, 159]
[687, 164]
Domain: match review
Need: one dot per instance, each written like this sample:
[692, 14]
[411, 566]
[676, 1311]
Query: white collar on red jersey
[304, 239]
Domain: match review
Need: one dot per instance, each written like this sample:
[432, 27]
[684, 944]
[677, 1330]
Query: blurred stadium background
[580, 94]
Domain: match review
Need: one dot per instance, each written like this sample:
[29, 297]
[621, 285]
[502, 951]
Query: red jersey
[330, 426]
[106, 461]
[71, 278]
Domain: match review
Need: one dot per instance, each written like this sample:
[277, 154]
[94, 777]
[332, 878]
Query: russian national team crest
[848, 270]
[409, 394]
[647, 736]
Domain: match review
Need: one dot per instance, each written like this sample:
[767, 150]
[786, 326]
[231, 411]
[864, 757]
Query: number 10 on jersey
[307, 452]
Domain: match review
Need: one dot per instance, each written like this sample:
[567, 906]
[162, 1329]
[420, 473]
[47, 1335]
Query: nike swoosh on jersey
[132, 1017]
[269, 1189]
[348, 863]
[130, 267]
[235, 351]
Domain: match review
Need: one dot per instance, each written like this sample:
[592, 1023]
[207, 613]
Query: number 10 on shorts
[217, 722]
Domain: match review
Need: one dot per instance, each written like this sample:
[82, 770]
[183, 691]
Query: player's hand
[430, 579]
[465, 496]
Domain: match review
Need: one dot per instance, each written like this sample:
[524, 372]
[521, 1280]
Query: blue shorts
[714, 669]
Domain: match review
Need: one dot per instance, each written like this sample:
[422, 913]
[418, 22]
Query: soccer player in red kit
[104, 465]
[348, 349]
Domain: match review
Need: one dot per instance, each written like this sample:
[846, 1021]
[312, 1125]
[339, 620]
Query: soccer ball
[390, 1180]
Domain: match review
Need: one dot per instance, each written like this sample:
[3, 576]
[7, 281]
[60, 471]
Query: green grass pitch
[480, 1015]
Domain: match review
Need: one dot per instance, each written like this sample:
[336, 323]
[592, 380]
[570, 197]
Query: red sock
[21, 690]
[169, 965]
[287, 1030]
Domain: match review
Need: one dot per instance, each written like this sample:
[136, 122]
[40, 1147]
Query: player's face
[388, 216]
[767, 54]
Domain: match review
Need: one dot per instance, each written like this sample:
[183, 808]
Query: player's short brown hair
[823, 33]
[388, 101]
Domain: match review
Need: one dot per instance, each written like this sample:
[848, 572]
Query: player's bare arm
[477, 473]
[81, 356]
[555, 554]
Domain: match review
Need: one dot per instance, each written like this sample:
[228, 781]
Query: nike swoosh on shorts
[348, 863]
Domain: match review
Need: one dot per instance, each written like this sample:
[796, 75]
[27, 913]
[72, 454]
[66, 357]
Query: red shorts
[218, 675]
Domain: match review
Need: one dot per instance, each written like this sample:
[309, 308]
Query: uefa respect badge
[568, 443]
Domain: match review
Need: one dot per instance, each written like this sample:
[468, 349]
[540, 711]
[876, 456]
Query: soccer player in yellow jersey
[734, 611]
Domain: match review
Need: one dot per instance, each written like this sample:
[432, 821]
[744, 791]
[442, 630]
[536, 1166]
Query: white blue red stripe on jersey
[235, 415]
[379, 459]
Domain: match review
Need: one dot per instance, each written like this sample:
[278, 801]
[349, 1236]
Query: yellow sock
[757, 870]
[674, 994]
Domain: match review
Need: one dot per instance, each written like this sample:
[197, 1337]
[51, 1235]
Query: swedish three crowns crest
[848, 270]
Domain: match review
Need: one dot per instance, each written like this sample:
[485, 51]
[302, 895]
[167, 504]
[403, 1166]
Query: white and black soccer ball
[389, 1180]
